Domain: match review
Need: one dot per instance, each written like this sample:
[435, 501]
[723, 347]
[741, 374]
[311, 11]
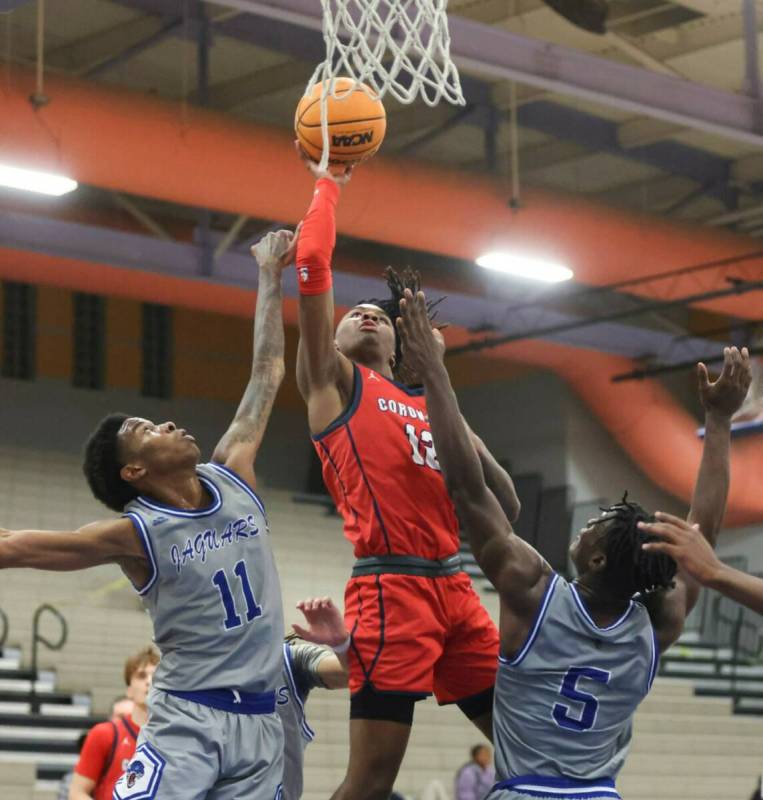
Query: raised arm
[326, 627]
[498, 480]
[106, 542]
[695, 556]
[324, 375]
[241, 442]
[516, 570]
[720, 399]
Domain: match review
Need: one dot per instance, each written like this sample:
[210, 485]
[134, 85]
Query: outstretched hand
[725, 396]
[326, 625]
[683, 542]
[340, 174]
[277, 249]
[422, 346]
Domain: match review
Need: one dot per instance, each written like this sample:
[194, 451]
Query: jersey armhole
[351, 408]
[655, 663]
[145, 539]
[535, 628]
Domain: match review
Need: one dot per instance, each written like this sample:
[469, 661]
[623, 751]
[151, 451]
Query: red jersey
[106, 753]
[380, 466]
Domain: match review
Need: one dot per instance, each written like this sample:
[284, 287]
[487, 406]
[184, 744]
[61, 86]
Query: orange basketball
[357, 123]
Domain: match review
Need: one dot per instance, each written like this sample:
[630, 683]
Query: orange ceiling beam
[142, 145]
[658, 435]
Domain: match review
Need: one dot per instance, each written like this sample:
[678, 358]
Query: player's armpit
[92, 545]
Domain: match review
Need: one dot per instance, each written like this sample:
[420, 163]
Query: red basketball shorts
[420, 636]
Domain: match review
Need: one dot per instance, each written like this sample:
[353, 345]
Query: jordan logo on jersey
[372, 376]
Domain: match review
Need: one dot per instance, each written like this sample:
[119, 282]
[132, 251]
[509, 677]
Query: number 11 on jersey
[232, 618]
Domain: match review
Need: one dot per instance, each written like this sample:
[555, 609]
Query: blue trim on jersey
[411, 391]
[217, 502]
[241, 483]
[231, 700]
[352, 407]
[588, 618]
[145, 539]
[533, 635]
[307, 731]
[540, 786]
[655, 660]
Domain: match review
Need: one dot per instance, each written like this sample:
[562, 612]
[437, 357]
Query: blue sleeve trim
[288, 666]
[535, 630]
[145, 539]
[655, 659]
[346, 415]
[241, 483]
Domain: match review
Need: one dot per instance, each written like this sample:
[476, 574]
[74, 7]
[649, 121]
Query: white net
[400, 47]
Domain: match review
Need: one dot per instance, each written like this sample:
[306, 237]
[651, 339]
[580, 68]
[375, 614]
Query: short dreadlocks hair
[397, 283]
[630, 569]
[103, 464]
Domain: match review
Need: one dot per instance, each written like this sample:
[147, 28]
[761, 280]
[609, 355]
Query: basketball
[357, 123]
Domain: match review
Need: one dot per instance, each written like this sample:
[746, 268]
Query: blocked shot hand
[325, 623]
[683, 542]
[423, 347]
[724, 397]
[276, 250]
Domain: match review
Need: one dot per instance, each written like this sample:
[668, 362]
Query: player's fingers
[660, 547]
[302, 632]
[704, 378]
[663, 516]
[728, 363]
[662, 529]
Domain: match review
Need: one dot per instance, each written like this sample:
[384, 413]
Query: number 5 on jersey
[417, 442]
[232, 618]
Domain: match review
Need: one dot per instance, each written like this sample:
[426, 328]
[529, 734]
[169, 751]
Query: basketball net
[396, 46]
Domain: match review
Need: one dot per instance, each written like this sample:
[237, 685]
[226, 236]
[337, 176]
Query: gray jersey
[300, 676]
[564, 703]
[214, 594]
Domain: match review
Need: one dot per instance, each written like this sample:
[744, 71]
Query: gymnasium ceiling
[565, 143]
[255, 67]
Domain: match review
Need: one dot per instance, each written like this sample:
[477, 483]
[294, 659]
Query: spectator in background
[123, 707]
[110, 745]
[476, 778]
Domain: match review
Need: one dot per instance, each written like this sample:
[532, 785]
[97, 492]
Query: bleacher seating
[684, 746]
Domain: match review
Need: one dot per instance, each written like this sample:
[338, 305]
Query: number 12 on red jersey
[419, 441]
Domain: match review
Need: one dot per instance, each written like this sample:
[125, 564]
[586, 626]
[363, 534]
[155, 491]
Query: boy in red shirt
[110, 745]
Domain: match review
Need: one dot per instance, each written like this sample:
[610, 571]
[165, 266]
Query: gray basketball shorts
[189, 751]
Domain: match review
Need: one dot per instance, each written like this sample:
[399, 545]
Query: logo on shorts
[134, 771]
[304, 274]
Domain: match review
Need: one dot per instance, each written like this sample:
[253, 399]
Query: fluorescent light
[525, 267]
[33, 181]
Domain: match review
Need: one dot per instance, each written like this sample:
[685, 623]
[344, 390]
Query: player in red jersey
[417, 625]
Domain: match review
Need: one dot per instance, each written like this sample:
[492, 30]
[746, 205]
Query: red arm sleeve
[95, 751]
[317, 240]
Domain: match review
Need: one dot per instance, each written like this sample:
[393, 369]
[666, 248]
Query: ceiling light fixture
[33, 181]
[524, 267]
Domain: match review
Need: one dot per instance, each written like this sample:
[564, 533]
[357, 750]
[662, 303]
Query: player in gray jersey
[318, 661]
[194, 541]
[577, 658]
